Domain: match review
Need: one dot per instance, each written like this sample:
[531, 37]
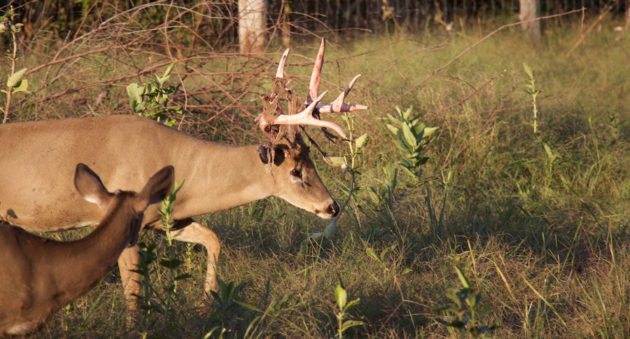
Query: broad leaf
[360, 141]
[341, 296]
[528, 70]
[409, 136]
[428, 131]
[336, 161]
[392, 129]
[15, 78]
[22, 86]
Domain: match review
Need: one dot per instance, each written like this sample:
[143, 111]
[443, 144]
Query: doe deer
[39, 275]
[125, 150]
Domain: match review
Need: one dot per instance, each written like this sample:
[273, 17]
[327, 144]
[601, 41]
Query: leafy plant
[226, 307]
[15, 81]
[410, 137]
[533, 91]
[344, 306]
[257, 326]
[151, 99]
[383, 194]
[462, 309]
[349, 164]
[154, 300]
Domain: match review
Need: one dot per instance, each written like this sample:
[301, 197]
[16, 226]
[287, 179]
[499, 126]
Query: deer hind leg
[128, 261]
[199, 234]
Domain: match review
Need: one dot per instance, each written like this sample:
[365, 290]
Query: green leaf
[386, 250]
[409, 172]
[15, 78]
[399, 111]
[550, 154]
[462, 277]
[352, 303]
[418, 129]
[350, 323]
[373, 196]
[428, 131]
[360, 141]
[248, 307]
[168, 70]
[336, 161]
[406, 114]
[341, 296]
[409, 136]
[135, 91]
[372, 254]
[392, 129]
[167, 74]
[528, 70]
[393, 120]
[22, 86]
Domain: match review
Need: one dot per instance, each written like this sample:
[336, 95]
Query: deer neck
[218, 177]
[90, 258]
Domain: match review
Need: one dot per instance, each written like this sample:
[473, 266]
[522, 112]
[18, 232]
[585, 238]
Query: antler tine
[339, 105]
[306, 118]
[280, 72]
[313, 86]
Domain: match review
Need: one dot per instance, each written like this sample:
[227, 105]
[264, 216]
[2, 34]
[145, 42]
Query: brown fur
[39, 276]
[37, 164]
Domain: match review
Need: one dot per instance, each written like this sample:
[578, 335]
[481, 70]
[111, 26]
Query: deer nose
[333, 209]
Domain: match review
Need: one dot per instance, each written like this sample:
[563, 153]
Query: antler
[280, 72]
[305, 117]
[338, 105]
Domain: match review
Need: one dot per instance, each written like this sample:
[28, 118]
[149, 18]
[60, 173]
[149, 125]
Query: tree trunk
[285, 24]
[529, 11]
[251, 25]
[628, 14]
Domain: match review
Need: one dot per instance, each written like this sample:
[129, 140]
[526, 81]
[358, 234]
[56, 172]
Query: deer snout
[333, 209]
[328, 212]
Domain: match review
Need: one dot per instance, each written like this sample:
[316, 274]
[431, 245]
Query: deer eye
[297, 173]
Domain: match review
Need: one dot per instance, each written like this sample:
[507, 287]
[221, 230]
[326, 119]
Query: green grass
[545, 244]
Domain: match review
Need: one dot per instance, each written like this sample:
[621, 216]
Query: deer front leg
[199, 234]
[128, 261]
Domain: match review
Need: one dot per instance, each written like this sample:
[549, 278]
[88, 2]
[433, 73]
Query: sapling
[15, 81]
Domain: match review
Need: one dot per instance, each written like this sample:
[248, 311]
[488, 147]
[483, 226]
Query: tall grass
[537, 223]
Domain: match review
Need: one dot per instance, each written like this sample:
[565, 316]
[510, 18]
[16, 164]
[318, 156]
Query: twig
[7, 103]
[589, 30]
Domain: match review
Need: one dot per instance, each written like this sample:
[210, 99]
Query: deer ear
[278, 154]
[90, 186]
[263, 153]
[158, 186]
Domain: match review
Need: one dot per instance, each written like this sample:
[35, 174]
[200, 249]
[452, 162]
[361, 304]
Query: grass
[541, 235]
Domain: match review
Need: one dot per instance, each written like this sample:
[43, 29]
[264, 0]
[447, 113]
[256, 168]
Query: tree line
[244, 21]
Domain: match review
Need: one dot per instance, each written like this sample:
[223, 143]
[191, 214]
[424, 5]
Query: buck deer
[217, 177]
[40, 276]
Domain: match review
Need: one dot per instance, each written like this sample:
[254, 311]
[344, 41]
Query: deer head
[286, 152]
[91, 188]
